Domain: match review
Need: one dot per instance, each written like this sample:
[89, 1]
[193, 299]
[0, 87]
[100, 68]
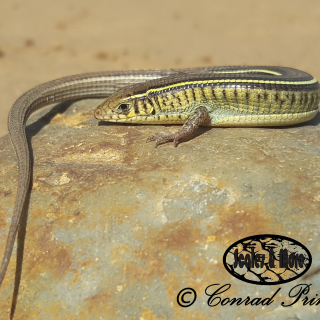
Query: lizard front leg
[199, 117]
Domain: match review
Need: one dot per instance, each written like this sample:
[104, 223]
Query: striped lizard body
[223, 96]
[226, 97]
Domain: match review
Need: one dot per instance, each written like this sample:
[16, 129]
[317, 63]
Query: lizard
[239, 96]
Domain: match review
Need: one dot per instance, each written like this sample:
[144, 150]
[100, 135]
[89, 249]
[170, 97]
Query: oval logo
[267, 259]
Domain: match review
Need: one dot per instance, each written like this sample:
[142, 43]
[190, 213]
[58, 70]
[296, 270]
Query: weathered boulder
[116, 228]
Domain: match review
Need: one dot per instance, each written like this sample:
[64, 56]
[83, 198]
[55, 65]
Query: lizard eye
[123, 107]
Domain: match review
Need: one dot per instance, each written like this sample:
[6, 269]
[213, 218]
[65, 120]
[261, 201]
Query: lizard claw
[155, 136]
[162, 137]
[200, 116]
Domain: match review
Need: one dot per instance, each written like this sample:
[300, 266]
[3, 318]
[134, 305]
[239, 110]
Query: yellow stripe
[251, 70]
[314, 80]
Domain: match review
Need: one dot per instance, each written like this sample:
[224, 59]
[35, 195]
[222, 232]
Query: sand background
[43, 40]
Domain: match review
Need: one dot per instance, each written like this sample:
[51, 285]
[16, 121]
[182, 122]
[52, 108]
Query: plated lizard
[211, 96]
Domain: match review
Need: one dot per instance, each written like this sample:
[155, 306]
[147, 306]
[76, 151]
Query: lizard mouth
[101, 114]
[113, 110]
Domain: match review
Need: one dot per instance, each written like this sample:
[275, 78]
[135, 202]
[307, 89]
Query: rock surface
[117, 228]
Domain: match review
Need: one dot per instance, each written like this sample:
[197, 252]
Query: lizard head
[114, 108]
[124, 105]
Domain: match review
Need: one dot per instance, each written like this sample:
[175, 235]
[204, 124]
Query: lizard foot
[162, 137]
[199, 117]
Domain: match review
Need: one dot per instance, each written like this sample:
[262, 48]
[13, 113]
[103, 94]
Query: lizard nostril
[97, 114]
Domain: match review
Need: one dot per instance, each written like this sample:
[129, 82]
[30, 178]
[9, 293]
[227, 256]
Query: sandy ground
[43, 40]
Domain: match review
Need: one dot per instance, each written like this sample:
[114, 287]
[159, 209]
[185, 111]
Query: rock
[116, 228]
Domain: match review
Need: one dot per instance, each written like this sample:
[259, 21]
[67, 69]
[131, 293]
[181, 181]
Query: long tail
[90, 85]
